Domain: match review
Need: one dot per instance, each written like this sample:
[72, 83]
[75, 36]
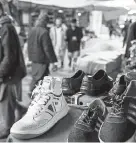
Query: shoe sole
[130, 140]
[44, 129]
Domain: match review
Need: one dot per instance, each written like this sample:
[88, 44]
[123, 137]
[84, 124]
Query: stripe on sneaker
[51, 108]
[132, 106]
[100, 120]
[98, 125]
[132, 112]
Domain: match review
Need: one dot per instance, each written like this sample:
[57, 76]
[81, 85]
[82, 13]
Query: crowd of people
[47, 47]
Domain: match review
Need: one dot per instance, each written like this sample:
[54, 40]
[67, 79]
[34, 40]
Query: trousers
[38, 72]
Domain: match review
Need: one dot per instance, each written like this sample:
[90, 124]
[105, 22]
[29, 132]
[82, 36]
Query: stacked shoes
[82, 89]
[116, 125]
[47, 108]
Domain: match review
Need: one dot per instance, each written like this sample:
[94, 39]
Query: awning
[101, 5]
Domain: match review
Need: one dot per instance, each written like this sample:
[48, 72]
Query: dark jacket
[74, 45]
[131, 35]
[10, 51]
[40, 49]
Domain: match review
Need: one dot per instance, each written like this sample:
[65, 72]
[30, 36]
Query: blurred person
[40, 50]
[111, 30]
[125, 31]
[58, 35]
[12, 70]
[131, 35]
[22, 39]
[25, 52]
[86, 37]
[73, 37]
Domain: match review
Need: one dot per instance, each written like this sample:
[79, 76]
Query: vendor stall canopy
[95, 4]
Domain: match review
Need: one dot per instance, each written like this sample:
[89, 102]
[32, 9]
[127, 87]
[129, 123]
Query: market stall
[99, 61]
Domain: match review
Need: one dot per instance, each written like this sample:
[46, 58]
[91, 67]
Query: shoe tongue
[93, 113]
[57, 87]
[47, 83]
[120, 89]
[120, 86]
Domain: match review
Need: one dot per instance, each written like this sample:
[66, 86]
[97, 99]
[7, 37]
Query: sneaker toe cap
[22, 126]
[78, 135]
[112, 132]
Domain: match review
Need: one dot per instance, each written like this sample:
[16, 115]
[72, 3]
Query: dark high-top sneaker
[120, 124]
[89, 122]
[93, 87]
[118, 89]
[71, 86]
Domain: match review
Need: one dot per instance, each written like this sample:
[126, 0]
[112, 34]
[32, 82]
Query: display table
[60, 132]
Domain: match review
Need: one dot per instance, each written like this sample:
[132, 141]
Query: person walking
[40, 50]
[111, 30]
[125, 31]
[12, 70]
[73, 37]
[58, 35]
[131, 35]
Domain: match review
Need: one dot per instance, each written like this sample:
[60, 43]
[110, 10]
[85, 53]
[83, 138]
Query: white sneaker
[47, 108]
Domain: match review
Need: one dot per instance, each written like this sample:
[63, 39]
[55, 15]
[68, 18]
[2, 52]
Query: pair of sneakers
[116, 125]
[81, 88]
[46, 109]
[120, 123]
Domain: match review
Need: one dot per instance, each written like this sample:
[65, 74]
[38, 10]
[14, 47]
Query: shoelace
[90, 116]
[37, 88]
[117, 107]
[42, 86]
[42, 96]
[112, 93]
[39, 103]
